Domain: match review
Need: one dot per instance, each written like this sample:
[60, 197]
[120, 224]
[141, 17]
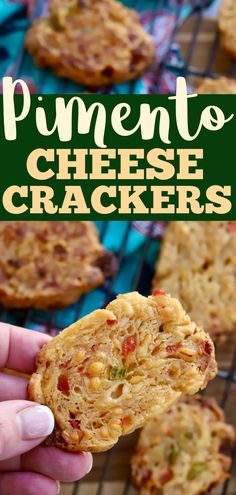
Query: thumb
[23, 425]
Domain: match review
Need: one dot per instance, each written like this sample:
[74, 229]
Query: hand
[26, 467]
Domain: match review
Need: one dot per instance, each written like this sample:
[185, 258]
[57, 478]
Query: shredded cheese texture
[179, 453]
[197, 264]
[50, 264]
[105, 375]
[220, 86]
[227, 21]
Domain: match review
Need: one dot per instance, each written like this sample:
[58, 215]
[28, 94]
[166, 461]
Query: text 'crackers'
[107, 374]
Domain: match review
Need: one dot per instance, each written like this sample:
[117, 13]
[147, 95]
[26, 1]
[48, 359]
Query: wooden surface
[119, 461]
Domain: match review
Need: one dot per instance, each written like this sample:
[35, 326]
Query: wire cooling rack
[110, 474]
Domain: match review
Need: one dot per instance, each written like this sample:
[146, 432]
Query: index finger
[19, 346]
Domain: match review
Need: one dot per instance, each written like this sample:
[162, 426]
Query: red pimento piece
[126, 421]
[111, 322]
[75, 424]
[81, 368]
[60, 250]
[207, 348]
[231, 227]
[129, 345]
[171, 349]
[63, 385]
[166, 477]
[205, 352]
[158, 292]
[103, 415]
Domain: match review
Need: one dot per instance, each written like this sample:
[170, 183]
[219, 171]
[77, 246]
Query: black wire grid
[26, 318]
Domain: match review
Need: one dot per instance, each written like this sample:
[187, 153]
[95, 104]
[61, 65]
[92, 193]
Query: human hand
[26, 467]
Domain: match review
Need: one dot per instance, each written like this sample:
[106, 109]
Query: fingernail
[35, 422]
[58, 487]
[90, 461]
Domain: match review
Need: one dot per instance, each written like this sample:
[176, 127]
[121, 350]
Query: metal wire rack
[111, 471]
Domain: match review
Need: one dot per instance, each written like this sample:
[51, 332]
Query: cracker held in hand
[92, 42]
[107, 374]
[227, 25]
[197, 264]
[220, 86]
[50, 264]
[179, 453]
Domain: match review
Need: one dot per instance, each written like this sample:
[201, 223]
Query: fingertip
[27, 483]
[88, 461]
[35, 421]
[81, 465]
[50, 418]
[78, 465]
[58, 464]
